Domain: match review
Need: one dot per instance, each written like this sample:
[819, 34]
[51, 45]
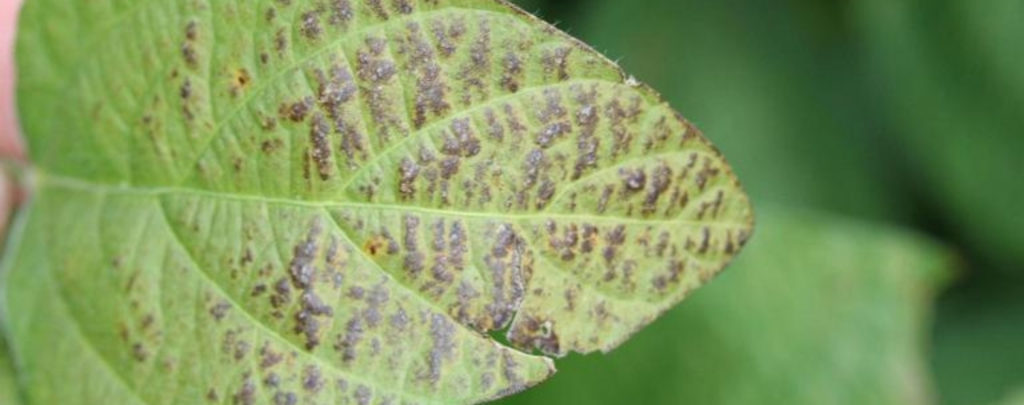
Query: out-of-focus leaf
[953, 74]
[777, 84]
[315, 201]
[978, 356]
[1016, 398]
[816, 311]
[8, 384]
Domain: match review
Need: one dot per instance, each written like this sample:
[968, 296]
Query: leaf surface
[342, 201]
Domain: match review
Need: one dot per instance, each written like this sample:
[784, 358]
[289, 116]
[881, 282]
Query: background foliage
[898, 112]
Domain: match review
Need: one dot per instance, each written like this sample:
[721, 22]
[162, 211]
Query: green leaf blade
[340, 201]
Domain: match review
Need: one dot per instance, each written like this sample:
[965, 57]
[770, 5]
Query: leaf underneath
[8, 384]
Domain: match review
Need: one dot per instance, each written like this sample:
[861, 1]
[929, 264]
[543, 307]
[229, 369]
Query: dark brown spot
[220, 310]
[188, 52]
[534, 164]
[513, 72]
[281, 41]
[430, 88]
[270, 146]
[301, 268]
[441, 37]
[408, 172]
[705, 242]
[139, 352]
[633, 180]
[246, 395]
[552, 132]
[259, 290]
[272, 380]
[281, 296]
[442, 332]
[297, 111]
[312, 380]
[307, 322]
[363, 395]
[285, 398]
[378, 8]
[659, 183]
[533, 333]
[321, 152]
[341, 12]
[376, 246]
[191, 31]
[347, 342]
[403, 6]
[462, 141]
[186, 90]
[269, 357]
[545, 193]
[311, 25]
[239, 81]
[557, 62]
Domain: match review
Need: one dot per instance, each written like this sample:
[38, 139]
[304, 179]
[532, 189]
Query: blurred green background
[883, 143]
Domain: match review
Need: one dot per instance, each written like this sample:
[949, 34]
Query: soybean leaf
[953, 74]
[8, 385]
[954, 86]
[818, 310]
[342, 201]
[1017, 398]
[977, 354]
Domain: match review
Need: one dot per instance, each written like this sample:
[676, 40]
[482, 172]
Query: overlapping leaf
[1016, 398]
[954, 74]
[8, 386]
[337, 201]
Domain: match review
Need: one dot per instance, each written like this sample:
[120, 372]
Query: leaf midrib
[44, 179]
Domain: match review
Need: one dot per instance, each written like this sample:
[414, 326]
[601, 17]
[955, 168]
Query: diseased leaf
[818, 310]
[339, 201]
